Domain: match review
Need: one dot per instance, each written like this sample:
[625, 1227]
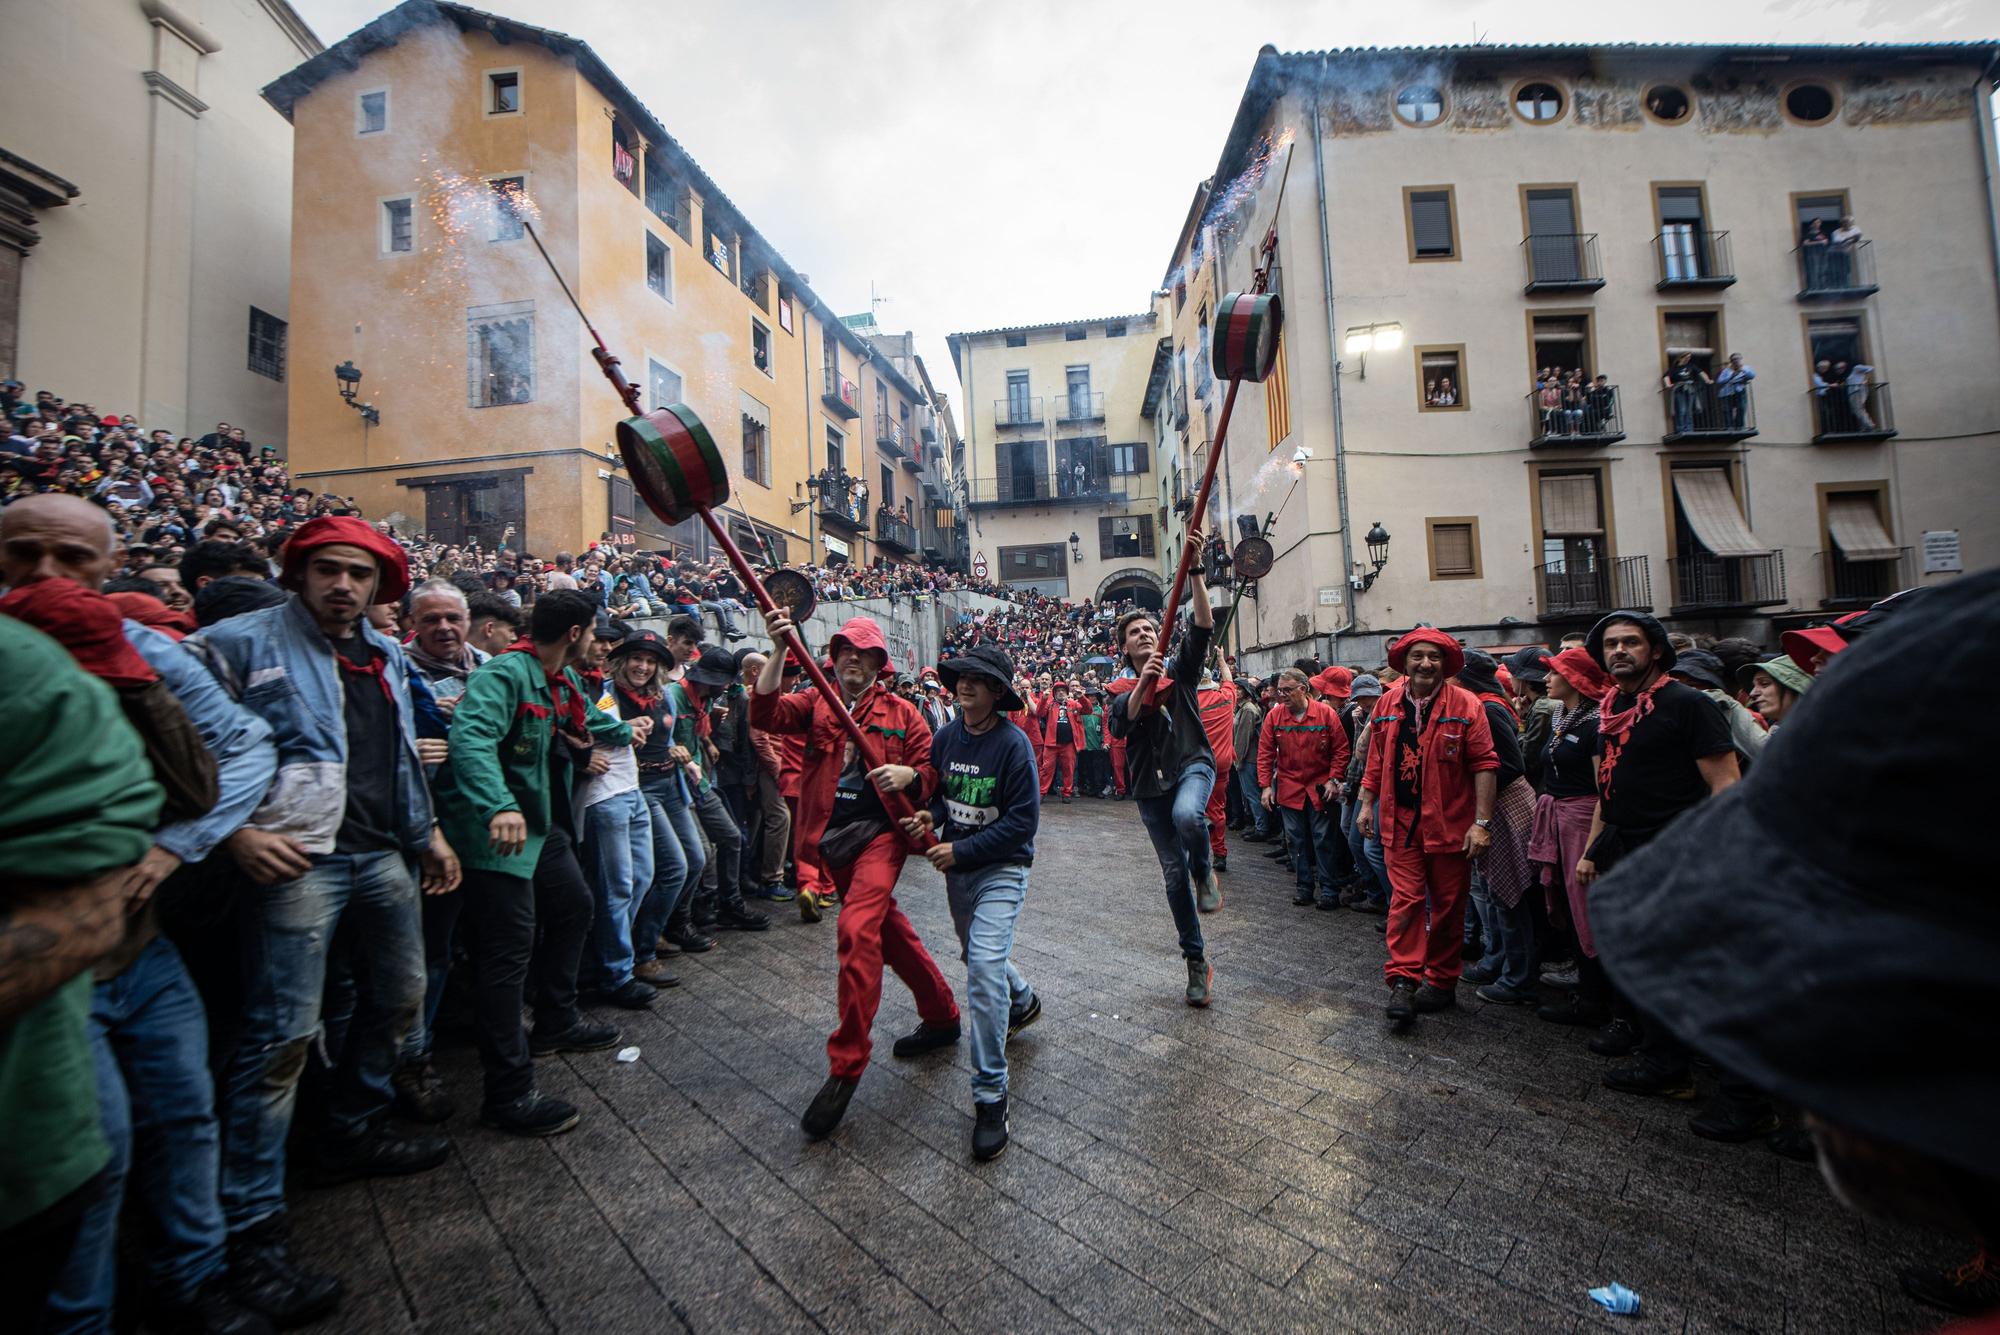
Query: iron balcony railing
[1703, 412]
[1180, 408]
[895, 532]
[1562, 262]
[1701, 580]
[1850, 583]
[889, 434]
[1593, 586]
[1018, 410]
[838, 504]
[1836, 273]
[1079, 406]
[842, 396]
[1589, 416]
[1856, 411]
[1042, 488]
[1687, 258]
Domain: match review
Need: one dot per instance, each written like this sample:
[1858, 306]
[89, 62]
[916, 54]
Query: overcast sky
[1021, 161]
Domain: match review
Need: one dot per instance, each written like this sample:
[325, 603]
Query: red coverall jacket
[1297, 756]
[895, 725]
[1218, 721]
[1457, 744]
[1043, 734]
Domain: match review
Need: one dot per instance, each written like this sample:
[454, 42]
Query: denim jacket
[283, 667]
[245, 760]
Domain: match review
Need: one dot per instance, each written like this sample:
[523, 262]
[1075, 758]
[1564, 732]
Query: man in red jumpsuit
[1431, 767]
[841, 813]
[1061, 735]
[1217, 703]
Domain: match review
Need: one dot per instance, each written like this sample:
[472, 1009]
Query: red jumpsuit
[1218, 721]
[1058, 758]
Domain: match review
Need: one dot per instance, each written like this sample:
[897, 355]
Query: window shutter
[1140, 464]
[1680, 206]
[1145, 535]
[1569, 505]
[1430, 222]
[1451, 545]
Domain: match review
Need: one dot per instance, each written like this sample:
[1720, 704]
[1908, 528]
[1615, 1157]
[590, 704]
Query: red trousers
[1115, 749]
[1426, 915]
[1059, 762]
[1218, 815]
[874, 932]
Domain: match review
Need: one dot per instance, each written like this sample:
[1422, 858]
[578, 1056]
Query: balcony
[889, 435]
[842, 397]
[1848, 413]
[1705, 583]
[1854, 584]
[1180, 408]
[1040, 488]
[1566, 590]
[1703, 414]
[1017, 410]
[1594, 419]
[1079, 406]
[836, 504]
[894, 533]
[1836, 273]
[1690, 261]
[1562, 262]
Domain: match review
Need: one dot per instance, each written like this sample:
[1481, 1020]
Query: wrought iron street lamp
[347, 377]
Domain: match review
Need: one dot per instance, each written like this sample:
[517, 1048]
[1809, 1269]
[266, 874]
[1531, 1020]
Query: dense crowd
[292, 798]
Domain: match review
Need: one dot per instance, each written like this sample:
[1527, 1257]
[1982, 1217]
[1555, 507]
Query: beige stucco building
[1449, 222]
[145, 207]
[1060, 492]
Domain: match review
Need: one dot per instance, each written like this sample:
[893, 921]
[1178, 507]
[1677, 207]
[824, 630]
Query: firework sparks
[1229, 204]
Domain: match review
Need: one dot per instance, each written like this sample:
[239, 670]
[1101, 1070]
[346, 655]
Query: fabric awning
[755, 411]
[1712, 512]
[1857, 529]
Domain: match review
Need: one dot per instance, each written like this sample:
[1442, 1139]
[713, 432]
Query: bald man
[55, 536]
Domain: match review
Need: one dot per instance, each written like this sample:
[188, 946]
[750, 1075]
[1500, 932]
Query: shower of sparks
[1229, 204]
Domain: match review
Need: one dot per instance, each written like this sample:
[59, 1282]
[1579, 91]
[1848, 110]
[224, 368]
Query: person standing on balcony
[1813, 244]
[1732, 386]
[1683, 382]
[1841, 249]
[1857, 389]
[1600, 406]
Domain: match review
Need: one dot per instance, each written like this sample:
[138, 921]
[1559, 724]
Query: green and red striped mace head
[1245, 343]
[674, 464]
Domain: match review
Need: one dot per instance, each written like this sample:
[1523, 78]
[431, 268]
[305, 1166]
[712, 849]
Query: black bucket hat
[1703, 668]
[987, 660]
[1529, 664]
[1480, 675]
[1821, 929]
[642, 642]
[1663, 648]
[714, 670]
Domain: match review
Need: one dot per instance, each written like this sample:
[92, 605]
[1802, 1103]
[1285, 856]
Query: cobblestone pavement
[1280, 1161]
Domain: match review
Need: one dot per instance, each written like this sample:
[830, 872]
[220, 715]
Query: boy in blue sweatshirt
[987, 806]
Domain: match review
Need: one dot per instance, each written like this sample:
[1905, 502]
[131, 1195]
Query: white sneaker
[1559, 975]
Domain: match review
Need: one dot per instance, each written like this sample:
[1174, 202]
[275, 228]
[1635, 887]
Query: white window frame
[667, 247]
[654, 359]
[383, 231]
[493, 205]
[486, 110]
[361, 130]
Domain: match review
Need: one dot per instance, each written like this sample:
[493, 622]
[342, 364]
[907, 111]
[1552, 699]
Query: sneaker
[1221, 859]
[1329, 905]
[808, 906]
[1200, 982]
[1256, 837]
[420, 1095]
[1967, 1289]
[1644, 1078]
[1372, 907]
[1021, 1015]
[1502, 995]
[1208, 894]
[777, 894]
[1480, 973]
[1615, 1039]
[1560, 975]
[989, 1129]
[583, 1036]
[213, 1310]
[1431, 998]
[739, 918]
[1351, 897]
[1065, 800]
[691, 942]
[926, 1038]
[262, 1277]
[654, 973]
[1277, 852]
[1402, 1007]
[1304, 899]
[379, 1153]
[533, 1114]
[1571, 1010]
[630, 995]
[828, 1107]
[1734, 1121]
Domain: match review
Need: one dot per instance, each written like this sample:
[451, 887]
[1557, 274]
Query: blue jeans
[677, 863]
[1253, 798]
[1176, 823]
[1309, 834]
[1684, 401]
[984, 907]
[150, 1037]
[1368, 861]
[1510, 938]
[723, 615]
[618, 849]
[286, 930]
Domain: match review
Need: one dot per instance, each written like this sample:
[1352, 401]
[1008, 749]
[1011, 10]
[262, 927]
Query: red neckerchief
[568, 700]
[377, 661]
[1615, 730]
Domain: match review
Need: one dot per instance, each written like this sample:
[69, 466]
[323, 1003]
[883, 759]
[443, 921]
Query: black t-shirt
[1506, 729]
[854, 797]
[1683, 375]
[1650, 776]
[1567, 759]
[1064, 733]
[370, 824]
[1409, 778]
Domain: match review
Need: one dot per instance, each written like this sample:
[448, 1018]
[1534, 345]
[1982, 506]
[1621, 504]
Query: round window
[1667, 103]
[1538, 101]
[1809, 102]
[1420, 104]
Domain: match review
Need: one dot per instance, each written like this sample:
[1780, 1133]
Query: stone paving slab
[1281, 1161]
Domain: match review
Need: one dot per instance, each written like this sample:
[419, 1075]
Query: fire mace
[679, 473]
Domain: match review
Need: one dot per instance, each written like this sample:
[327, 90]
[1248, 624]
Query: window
[1668, 104]
[1017, 340]
[267, 344]
[785, 311]
[760, 347]
[1538, 102]
[1115, 330]
[1020, 408]
[756, 441]
[1075, 335]
[1420, 104]
[1129, 460]
[1122, 537]
[1826, 208]
[399, 225]
[1203, 375]
[1433, 222]
[508, 194]
[1441, 378]
[1045, 567]
[371, 112]
[665, 196]
[500, 354]
[659, 268]
[624, 160]
[756, 285]
[1561, 341]
[1810, 103]
[1684, 239]
[887, 496]
[716, 249]
[663, 384]
[1453, 544]
[1694, 332]
[836, 454]
[1861, 557]
[503, 92]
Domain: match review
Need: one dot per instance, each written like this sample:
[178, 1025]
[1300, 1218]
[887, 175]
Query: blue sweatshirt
[989, 797]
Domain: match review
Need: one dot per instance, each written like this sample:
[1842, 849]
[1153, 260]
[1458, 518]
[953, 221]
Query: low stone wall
[914, 627]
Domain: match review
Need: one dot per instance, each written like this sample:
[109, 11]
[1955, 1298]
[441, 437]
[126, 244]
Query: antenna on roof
[1478, 37]
[875, 299]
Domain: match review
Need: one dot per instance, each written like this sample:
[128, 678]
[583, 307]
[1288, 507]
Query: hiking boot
[1571, 1010]
[654, 974]
[1065, 800]
[1402, 1007]
[1615, 1039]
[533, 1114]
[1023, 1014]
[1222, 862]
[213, 1310]
[1351, 897]
[1277, 852]
[630, 995]
[1794, 1143]
[379, 1153]
[1502, 995]
[741, 918]
[1431, 998]
[926, 1038]
[1644, 1078]
[1967, 1289]
[1329, 905]
[1560, 975]
[262, 1277]
[691, 942]
[1201, 980]
[583, 1036]
[828, 1107]
[1256, 837]
[420, 1095]
[989, 1129]
[1372, 907]
[1733, 1121]
[808, 906]
[1207, 893]
[1303, 898]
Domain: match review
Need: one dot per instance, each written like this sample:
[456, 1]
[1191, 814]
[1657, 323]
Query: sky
[977, 163]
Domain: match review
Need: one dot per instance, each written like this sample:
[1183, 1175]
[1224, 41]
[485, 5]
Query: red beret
[345, 530]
